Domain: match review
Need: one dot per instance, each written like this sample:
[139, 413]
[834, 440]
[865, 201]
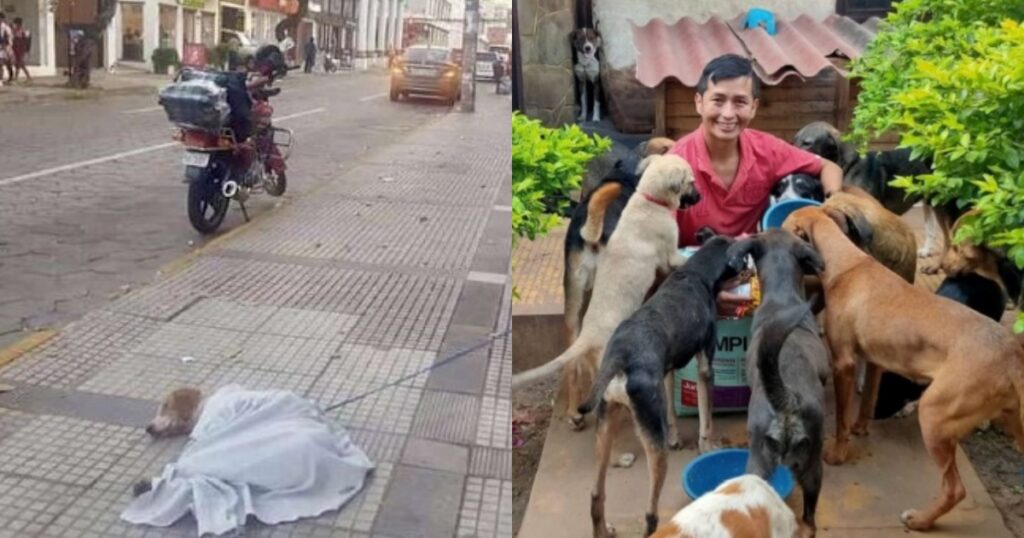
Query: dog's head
[803, 221]
[821, 138]
[966, 257]
[586, 41]
[776, 250]
[178, 413]
[669, 178]
[712, 259]
[796, 186]
[658, 145]
[846, 210]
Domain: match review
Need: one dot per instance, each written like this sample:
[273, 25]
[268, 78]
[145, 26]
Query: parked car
[246, 46]
[485, 65]
[426, 70]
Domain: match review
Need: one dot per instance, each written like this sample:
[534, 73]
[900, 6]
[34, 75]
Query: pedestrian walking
[499, 72]
[310, 54]
[21, 43]
[6, 42]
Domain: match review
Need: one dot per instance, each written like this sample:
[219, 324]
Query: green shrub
[163, 58]
[217, 57]
[947, 75]
[546, 165]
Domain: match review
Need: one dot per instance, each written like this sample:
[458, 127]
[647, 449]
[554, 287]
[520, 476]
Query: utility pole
[470, 28]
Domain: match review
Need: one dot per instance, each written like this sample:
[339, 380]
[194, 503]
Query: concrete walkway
[398, 262]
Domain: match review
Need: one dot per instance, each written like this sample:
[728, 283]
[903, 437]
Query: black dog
[787, 364]
[796, 186]
[664, 335]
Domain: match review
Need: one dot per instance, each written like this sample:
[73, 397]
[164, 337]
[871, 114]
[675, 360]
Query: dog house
[802, 68]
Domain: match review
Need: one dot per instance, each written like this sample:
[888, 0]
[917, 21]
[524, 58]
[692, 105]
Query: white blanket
[270, 454]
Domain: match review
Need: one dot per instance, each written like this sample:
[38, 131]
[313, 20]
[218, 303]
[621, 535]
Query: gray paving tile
[436, 455]
[359, 367]
[494, 428]
[486, 508]
[468, 372]
[204, 344]
[408, 511]
[28, 505]
[40, 399]
[390, 410]
[225, 314]
[379, 446]
[308, 323]
[287, 353]
[65, 450]
[478, 305]
[150, 377]
[446, 416]
[490, 462]
[80, 349]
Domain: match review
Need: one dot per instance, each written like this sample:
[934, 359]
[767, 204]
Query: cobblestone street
[390, 253]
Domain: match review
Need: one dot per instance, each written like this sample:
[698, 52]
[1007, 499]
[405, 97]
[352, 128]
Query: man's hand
[831, 177]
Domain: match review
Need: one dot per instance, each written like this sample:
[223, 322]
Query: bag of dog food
[731, 392]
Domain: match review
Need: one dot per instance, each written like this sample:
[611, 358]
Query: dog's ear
[809, 259]
[853, 223]
[704, 234]
[573, 36]
[738, 251]
[839, 218]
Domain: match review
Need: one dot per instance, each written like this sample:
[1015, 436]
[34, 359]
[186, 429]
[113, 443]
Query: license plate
[422, 72]
[195, 158]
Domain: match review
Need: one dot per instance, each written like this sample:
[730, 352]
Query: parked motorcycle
[220, 165]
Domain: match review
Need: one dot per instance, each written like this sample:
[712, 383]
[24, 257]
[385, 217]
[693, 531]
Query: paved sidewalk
[398, 262]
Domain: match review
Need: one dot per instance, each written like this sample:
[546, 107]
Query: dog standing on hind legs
[665, 334]
[975, 366]
[787, 366]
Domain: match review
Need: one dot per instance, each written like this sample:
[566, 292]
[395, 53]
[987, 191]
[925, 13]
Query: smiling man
[735, 167]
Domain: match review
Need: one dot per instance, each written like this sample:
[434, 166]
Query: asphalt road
[91, 198]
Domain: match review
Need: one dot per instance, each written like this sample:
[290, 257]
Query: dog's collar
[656, 200]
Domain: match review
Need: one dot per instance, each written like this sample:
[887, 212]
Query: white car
[485, 65]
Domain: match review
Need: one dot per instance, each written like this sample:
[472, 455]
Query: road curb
[75, 95]
[26, 344]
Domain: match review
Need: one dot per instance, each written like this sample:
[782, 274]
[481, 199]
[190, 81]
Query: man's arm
[831, 177]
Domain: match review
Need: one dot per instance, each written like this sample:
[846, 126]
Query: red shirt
[764, 160]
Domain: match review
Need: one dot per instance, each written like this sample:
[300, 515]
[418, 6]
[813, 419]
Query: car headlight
[449, 74]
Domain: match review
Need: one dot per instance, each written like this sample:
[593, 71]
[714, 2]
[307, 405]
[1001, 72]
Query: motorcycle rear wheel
[206, 206]
[280, 184]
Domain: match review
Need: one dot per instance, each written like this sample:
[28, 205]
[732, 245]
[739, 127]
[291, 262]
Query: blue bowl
[708, 471]
[776, 214]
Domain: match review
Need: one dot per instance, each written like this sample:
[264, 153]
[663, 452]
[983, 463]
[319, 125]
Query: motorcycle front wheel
[206, 206]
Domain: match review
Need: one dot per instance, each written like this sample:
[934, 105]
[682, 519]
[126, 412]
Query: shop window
[131, 32]
[168, 24]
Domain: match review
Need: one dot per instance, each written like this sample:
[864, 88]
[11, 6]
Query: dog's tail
[555, 365]
[611, 365]
[600, 199]
[773, 335]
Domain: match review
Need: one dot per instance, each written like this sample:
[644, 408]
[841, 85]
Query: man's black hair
[727, 67]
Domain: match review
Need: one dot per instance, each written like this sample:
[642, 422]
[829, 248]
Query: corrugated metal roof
[801, 47]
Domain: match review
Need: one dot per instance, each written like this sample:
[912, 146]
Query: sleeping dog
[787, 365]
[662, 336]
[586, 43]
[873, 172]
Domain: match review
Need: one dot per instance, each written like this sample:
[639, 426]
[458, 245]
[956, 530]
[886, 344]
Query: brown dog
[975, 366]
[967, 257]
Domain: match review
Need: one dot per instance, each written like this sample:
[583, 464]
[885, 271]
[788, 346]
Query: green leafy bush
[546, 165]
[164, 58]
[948, 75]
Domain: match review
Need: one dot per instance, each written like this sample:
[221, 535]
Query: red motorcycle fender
[275, 163]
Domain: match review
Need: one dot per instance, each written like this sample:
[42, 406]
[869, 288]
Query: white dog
[645, 243]
[741, 507]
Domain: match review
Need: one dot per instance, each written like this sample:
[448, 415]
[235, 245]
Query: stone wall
[544, 27]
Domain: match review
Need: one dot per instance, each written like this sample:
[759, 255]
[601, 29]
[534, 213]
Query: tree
[948, 75]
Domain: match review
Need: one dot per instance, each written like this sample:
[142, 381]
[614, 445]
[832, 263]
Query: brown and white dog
[645, 243]
[743, 507]
[586, 43]
[975, 366]
[178, 413]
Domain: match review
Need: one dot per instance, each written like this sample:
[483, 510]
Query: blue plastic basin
[776, 214]
[708, 471]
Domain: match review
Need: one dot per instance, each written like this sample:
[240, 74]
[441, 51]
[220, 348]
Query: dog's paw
[576, 422]
[625, 461]
[912, 520]
[705, 445]
[931, 269]
[807, 531]
[675, 444]
[609, 530]
[836, 453]
[860, 428]
[908, 410]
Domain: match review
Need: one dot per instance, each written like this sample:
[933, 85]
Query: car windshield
[486, 57]
[432, 56]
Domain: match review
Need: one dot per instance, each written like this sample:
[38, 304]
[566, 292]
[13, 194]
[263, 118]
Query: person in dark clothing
[310, 51]
[499, 73]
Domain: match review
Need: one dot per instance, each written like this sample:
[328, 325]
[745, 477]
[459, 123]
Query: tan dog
[743, 507]
[644, 243]
[975, 366]
[177, 414]
[888, 239]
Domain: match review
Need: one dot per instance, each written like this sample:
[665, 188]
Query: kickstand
[244, 212]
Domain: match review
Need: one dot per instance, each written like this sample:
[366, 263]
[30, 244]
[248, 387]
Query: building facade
[430, 22]
[379, 31]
